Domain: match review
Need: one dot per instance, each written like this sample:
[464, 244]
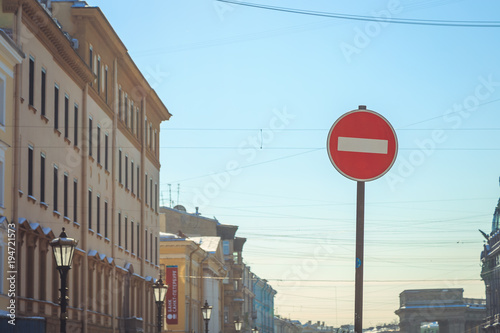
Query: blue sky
[253, 95]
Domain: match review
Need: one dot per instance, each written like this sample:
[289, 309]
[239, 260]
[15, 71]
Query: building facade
[490, 273]
[193, 269]
[86, 158]
[264, 305]
[10, 57]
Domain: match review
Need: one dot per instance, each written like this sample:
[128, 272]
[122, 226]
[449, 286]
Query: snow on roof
[207, 243]
[165, 236]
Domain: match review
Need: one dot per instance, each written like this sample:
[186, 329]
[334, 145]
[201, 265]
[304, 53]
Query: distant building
[448, 307]
[490, 273]
[263, 305]
[282, 325]
[193, 268]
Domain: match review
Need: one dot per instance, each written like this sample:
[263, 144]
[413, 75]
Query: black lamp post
[63, 249]
[160, 290]
[206, 310]
[237, 325]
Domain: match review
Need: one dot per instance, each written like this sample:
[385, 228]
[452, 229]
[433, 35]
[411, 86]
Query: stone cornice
[46, 29]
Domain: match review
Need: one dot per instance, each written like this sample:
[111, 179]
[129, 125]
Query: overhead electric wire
[442, 23]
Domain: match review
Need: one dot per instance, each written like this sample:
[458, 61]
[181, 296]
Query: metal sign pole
[360, 231]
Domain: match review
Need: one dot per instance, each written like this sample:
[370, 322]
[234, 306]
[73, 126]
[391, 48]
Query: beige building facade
[85, 158]
[10, 56]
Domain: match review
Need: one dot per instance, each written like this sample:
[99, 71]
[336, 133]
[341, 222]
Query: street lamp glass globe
[160, 291]
[63, 249]
[206, 310]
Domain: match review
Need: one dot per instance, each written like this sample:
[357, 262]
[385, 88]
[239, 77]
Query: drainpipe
[190, 288]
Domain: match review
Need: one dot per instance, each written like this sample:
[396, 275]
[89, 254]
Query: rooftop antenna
[170, 195]
[178, 191]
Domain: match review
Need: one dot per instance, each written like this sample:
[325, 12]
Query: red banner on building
[172, 300]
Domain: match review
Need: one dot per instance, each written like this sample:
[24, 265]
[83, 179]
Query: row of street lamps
[63, 249]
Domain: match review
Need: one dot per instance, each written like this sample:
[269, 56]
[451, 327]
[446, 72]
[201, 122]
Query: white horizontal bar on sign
[360, 145]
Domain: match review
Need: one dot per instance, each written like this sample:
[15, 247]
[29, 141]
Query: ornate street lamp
[237, 324]
[206, 310]
[160, 290]
[63, 249]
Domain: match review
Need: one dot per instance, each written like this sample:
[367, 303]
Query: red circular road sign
[362, 145]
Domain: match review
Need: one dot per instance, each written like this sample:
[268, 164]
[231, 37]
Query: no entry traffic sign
[362, 145]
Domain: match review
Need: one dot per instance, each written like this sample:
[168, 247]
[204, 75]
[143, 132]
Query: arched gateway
[453, 312]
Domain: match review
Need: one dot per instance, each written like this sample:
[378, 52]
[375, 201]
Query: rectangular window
[30, 170]
[65, 199]
[138, 181]
[42, 177]
[132, 236]
[43, 88]
[151, 192]
[66, 116]
[105, 219]
[90, 209]
[151, 246]
[146, 190]
[31, 92]
[75, 139]
[156, 197]
[91, 58]
[132, 116]
[98, 214]
[120, 166]
[98, 145]
[146, 244]
[106, 151]
[126, 171]
[119, 229]
[90, 136]
[99, 75]
[125, 110]
[156, 250]
[120, 104]
[126, 233]
[55, 188]
[137, 122]
[150, 136]
[138, 238]
[106, 84]
[75, 200]
[56, 107]
[132, 176]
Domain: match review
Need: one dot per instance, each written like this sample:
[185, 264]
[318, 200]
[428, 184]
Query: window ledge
[99, 236]
[32, 108]
[44, 118]
[107, 240]
[20, 193]
[68, 141]
[76, 149]
[58, 132]
[120, 248]
[44, 205]
[99, 165]
[67, 219]
[91, 231]
[56, 214]
[76, 224]
[91, 159]
[107, 172]
[32, 199]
